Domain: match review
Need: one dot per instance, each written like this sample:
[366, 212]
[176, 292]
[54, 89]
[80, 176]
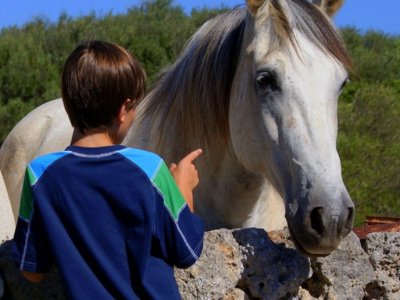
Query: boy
[112, 218]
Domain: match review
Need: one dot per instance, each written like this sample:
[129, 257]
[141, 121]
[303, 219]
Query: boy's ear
[123, 110]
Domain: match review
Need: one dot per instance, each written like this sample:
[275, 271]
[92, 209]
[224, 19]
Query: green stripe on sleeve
[26, 206]
[173, 199]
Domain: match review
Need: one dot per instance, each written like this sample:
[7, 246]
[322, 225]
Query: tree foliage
[369, 119]
[32, 56]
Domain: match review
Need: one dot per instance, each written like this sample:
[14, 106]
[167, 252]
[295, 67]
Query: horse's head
[290, 75]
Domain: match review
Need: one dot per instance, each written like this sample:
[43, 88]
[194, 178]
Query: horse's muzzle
[319, 230]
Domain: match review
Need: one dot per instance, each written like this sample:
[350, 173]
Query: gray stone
[344, 274]
[216, 273]
[236, 294]
[271, 271]
[246, 259]
[384, 251]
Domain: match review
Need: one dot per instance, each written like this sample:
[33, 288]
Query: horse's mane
[192, 96]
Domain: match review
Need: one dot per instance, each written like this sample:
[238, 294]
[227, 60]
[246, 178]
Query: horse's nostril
[316, 220]
[350, 218]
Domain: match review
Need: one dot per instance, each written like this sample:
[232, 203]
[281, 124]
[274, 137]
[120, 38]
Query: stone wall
[271, 269]
[251, 264]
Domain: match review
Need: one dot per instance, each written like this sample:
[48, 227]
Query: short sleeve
[178, 231]
[30, 244]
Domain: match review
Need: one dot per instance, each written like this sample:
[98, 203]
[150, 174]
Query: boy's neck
[91, 140]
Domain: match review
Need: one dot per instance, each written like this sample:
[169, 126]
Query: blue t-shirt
[111, 218]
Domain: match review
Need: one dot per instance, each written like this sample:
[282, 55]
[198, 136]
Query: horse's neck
[228, 195]
[231, 196]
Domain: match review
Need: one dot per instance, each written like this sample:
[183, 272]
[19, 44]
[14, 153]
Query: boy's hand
[186, 176]
[33, 277]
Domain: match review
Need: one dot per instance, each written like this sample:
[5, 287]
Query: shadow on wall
[17, 287]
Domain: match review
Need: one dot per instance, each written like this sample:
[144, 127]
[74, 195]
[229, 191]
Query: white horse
[257, 89]
[7, 222]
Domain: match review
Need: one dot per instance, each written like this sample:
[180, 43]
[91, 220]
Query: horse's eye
[344, 83]
[267, 81]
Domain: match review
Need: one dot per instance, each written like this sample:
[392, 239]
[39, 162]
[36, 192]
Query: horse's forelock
[312, 23]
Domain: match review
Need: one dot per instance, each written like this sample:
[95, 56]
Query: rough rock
[249, 264]
[344, 274]
[7, 222]
[384, 251]
[246, 259]
[216, 273]
[271, 271]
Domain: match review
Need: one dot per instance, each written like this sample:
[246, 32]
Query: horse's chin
[308, 252]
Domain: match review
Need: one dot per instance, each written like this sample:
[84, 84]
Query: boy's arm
[186, 176]
[179, 232]
[30, 245]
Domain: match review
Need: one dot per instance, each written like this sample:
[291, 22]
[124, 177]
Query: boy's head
[97, 78]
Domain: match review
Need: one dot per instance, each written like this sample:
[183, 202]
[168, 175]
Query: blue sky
[381, 15]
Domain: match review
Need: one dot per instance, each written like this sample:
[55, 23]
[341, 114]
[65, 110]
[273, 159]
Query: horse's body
[7, 223]
[257, 90]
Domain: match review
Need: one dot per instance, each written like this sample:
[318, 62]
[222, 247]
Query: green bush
[11, 113]
[369, 119]
[369, 146]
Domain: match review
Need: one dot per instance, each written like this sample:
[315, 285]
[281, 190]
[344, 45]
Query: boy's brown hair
[96, 80]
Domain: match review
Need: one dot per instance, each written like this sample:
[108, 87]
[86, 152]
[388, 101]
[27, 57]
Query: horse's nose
[319, 229]
[331, 225]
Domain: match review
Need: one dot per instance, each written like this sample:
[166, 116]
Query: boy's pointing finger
[193, 155]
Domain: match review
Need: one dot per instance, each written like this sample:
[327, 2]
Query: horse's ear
[330, 7]
[254, 5]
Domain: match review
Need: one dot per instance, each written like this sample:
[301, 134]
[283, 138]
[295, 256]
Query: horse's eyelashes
[344, 83]
[267, 81]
